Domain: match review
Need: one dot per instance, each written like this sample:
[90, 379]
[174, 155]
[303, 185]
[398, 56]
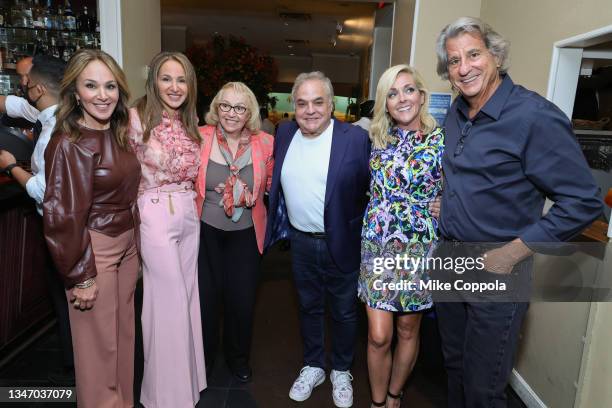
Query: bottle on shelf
[3, 17]
[38, 15]
[49, 16]
[53, 49]
[17, 15]
[86, 22]
[28, 21]
[69, 17]
[59, 18]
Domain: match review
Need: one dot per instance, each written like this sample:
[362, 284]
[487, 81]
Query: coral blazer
[263, 162]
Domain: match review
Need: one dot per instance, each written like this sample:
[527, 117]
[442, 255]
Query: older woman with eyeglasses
[235, 172]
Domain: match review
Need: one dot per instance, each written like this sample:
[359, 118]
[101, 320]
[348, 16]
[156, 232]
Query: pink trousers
[174, 371]
[103, 337]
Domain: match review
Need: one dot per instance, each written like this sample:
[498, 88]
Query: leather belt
[315, 235]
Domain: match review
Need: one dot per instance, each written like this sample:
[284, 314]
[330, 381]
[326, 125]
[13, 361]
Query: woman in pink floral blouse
[166, 140]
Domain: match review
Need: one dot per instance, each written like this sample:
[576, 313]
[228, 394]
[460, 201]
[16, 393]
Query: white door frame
[565, 66]
[110, 28]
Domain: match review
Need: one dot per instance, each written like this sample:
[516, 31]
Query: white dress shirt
[17, 107]
[20, 108]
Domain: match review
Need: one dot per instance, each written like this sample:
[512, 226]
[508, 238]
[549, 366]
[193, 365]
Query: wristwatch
[7, 169]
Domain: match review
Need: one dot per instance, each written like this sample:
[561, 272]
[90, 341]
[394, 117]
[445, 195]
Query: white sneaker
[343, 390]
[309, 378]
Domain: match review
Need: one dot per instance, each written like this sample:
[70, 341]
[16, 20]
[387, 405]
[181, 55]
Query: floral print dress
[406, 176]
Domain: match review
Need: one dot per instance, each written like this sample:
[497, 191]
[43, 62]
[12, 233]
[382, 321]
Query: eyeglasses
[464, 133]
[226, 107]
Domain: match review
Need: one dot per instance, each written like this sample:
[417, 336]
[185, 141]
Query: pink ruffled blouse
[170, 155]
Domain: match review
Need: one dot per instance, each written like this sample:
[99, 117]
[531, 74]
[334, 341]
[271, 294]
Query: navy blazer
[348, 178]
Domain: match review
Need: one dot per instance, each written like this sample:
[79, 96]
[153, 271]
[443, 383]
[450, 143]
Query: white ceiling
[260, 23]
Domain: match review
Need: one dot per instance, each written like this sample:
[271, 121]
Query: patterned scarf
[235, 193]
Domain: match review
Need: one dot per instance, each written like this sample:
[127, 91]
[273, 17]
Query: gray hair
[307, 76]
[495, 43]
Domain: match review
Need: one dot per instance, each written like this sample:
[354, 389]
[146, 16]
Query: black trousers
[228, 273]
[57, 293]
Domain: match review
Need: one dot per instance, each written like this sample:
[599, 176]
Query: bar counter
[24, 303]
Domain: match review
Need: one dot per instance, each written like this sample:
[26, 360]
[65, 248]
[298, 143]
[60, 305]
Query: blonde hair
[150, 106]
[69, 112]
[382, 121]
[253, 122]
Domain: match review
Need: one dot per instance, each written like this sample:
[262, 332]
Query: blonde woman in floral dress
[405, 166]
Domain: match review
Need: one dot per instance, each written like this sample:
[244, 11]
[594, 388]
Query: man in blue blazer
[317, 200]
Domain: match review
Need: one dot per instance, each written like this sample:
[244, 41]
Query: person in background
[235, 173]
[23, 68]
[165, 138]
[366, 112]
[507, 149]
[321, 173]
[284, 119]
[39, 106]
[90, 224]
[406, 175]
[18, 112]
[266, 124]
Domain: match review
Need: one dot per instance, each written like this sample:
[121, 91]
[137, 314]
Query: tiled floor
[276, 358]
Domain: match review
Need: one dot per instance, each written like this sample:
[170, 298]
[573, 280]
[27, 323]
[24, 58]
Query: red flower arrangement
[222, 60]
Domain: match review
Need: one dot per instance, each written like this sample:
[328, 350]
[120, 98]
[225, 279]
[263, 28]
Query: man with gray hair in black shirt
[507, 150]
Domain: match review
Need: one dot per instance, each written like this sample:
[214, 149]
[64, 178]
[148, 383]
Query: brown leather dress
[92, 184]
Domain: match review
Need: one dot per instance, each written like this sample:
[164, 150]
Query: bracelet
[85, 284]
[7, 170]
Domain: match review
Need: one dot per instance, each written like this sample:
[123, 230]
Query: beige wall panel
[534, 26]
[551, 349]
[141, 37]
[403, 19]
[433, 16]
[596, 390]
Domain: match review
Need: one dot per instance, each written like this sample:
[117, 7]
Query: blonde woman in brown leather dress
[91, 219]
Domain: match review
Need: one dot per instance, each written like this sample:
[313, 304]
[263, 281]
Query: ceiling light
[289, 46]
